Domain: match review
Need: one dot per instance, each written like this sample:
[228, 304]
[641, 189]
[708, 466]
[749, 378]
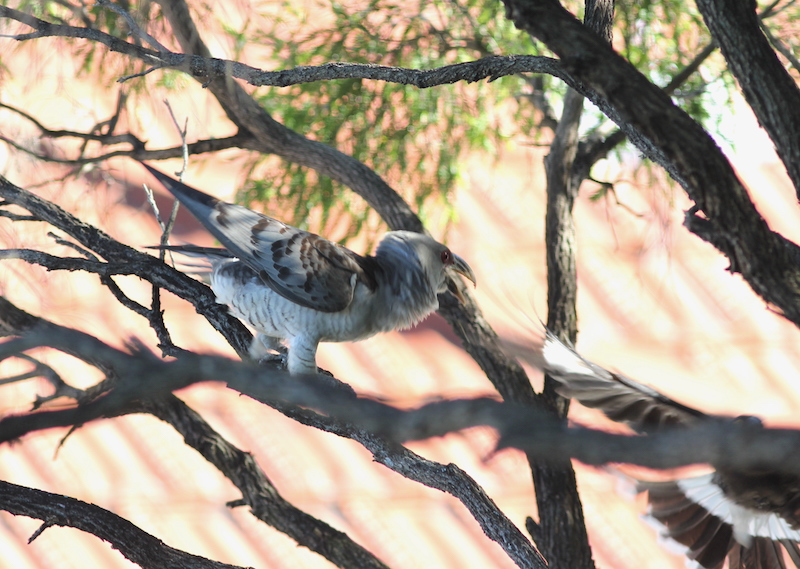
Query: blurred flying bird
[744, 516]
[291, 285]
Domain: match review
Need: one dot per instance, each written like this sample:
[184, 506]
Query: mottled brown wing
[620, 398]
[303, 267]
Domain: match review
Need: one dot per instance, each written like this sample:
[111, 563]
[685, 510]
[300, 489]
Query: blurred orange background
[655, 303]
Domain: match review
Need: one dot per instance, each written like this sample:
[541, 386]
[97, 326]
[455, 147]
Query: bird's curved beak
[461, 267]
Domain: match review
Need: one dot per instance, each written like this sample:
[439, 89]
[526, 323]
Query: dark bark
[272, 137]
[142, 378]
[562, 189]
[767, 86]
[147, 390]
[561, 531]
[128, 261]
[724, 216]
[766, 260]
[145, 383]
[135, 544]
[258, 492]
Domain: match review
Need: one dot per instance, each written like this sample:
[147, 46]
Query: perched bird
[291, 285]
[748, 517]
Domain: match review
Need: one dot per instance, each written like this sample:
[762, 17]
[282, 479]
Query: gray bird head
[436, 262]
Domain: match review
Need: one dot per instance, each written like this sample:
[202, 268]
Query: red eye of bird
[447, 257]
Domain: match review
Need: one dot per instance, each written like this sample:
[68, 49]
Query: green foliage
[661, 39]
[419, 140]
[94, 57]
[416, 139]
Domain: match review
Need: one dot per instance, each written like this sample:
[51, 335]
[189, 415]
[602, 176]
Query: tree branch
[268, 136]
[766, 260]
[215, 69]
[123, 259]
[142, 388]
[257, 490]
[768, 88]
[723, 443]
[143, 384]
[589, 152]
[145, 380]
[242, 140]
[561, 531]
[138, 546]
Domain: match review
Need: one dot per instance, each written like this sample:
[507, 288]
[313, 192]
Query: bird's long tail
[213, 257]
[196, 251]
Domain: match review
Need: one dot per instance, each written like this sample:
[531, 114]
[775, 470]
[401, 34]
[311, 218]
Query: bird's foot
[268, 350]
[277, 359]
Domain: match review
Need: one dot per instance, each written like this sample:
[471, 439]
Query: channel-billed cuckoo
[291, 285]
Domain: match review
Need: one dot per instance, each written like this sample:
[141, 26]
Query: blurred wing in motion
[620, 398]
